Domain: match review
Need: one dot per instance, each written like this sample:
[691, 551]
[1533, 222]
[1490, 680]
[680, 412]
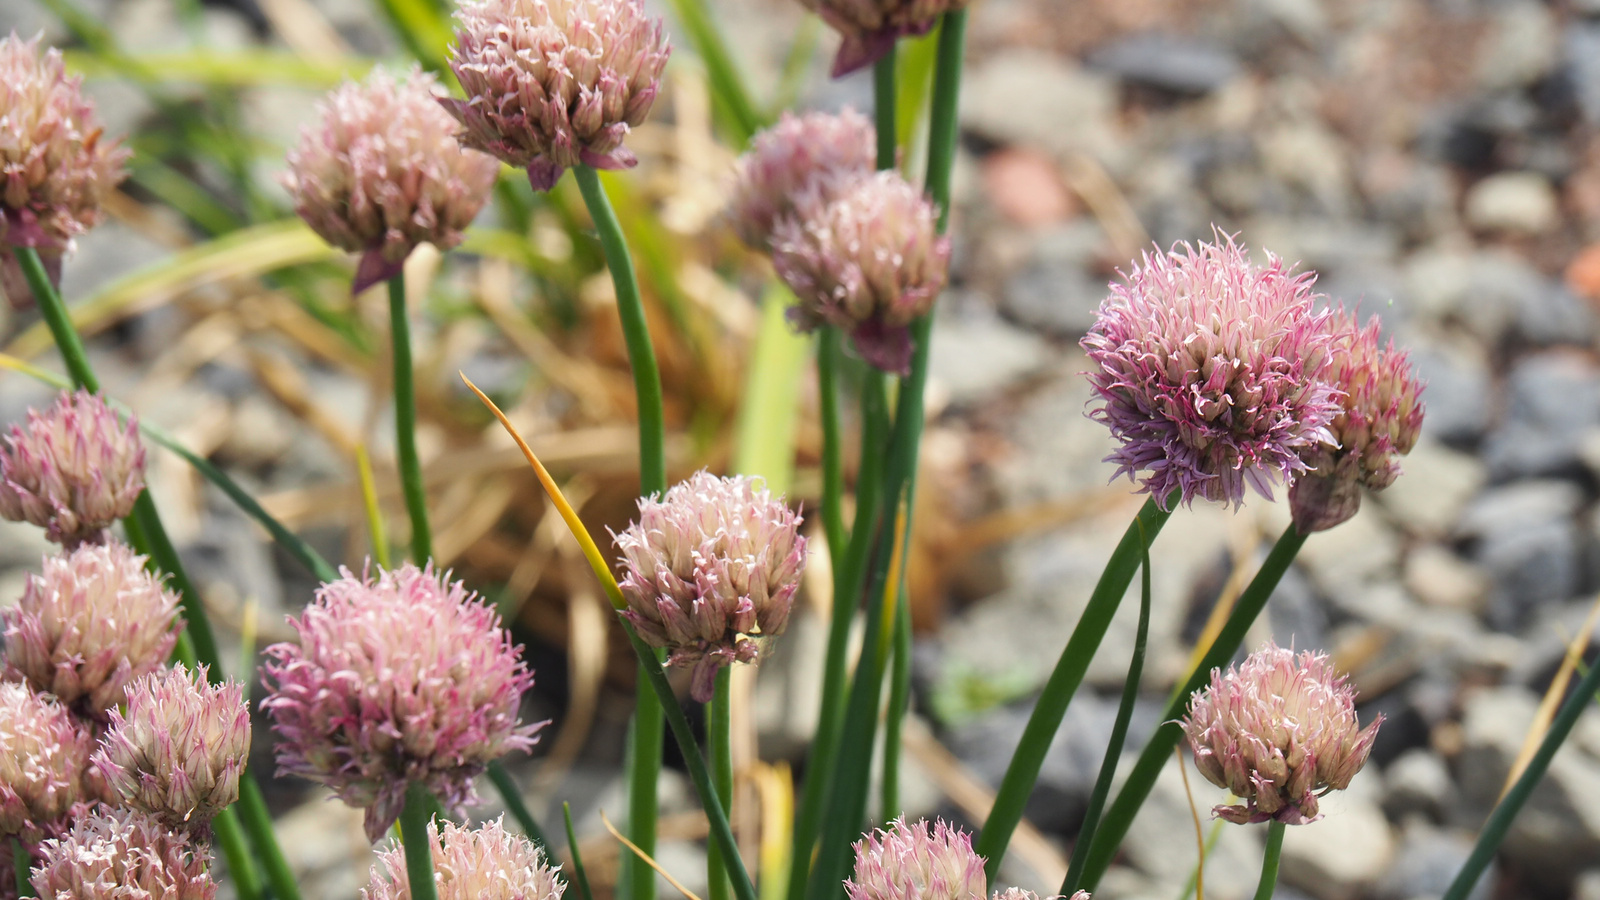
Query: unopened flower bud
[407, 677]
[89, 624]
[73, 471]
[917, 862]
[1278, 732]
[178, 751]
[789, 156]
[381, 172]
[123, 854]
[1210, 372]
[709, 571]
[553, 84]
[483, 863]
[1378, 422]
[869, 28]
[863, 253]
[43, 758]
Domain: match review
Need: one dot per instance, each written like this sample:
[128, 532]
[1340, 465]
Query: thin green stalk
[694, 761]
[405, 423]
[942, 124]
[899, 702]
[1063, 684]
[727, 84]
[418, 845]
[832, 464]
[57, 319]
[1499, 822]
[579, 875]
[1119, 732]
[257, 821]
[884, 102]
[1141, 780]
[1269, 862]
[21, 865]
[241, 867]
[519, 810]
[846, 596]
[719, 749]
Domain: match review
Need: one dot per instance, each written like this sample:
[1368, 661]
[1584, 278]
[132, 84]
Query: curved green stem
[884, 102]
[832, 463]
[241, 867]
[899, 702]
[1269, 862]
[257, 821]
[418, 845]
[519, 810]
[580, 876]
[719, 735]
[405, 423]
[1142, 779]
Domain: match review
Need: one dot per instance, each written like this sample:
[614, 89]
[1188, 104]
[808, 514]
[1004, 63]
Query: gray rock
[1521, 505]
[1581, 43]
[1176, 63]
[1068, 108]
[1427, 863]
[1519, 202]
[1588, 886]
[1495, 295]
[1419, 782]
[1458, 389]
[1161, 841]
[1348, 850]
[1522, 46]
[1528, 541]
[1440, 578]
[1054, 291]
[1552, 401]
[976, 354]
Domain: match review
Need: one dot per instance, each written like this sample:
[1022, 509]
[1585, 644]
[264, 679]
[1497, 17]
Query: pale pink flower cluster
[918, 861]
[1279, 732]
[179, 750]
[380, 172]
[406, 677]
[56, 169]
[43, 757]
[789, 156]
[553, 84]
[1379, 420]
[123, 854]
[869, 28]
[89, 624]
[73, 470]
[709, 571]
[483, 863]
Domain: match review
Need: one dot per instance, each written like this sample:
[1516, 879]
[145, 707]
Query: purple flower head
[73, 471]
[1211, 372]
[789, 156]
[55, 169]
[178, 751]
[405, 677]
[43, 759]
[710, 571]
[483, 863]
[381, 172]
[1379, 418]
[917, 862]
[553, 84]
[89, 624]
[123, 854]
[869, 28]
[863, 253]
[1278, 732]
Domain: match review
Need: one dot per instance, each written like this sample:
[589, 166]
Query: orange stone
[1026, 187]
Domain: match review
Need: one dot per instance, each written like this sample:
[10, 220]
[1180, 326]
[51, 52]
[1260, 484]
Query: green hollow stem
[405, 423]
[1141, 780]
[257, 821]
[846, 596]
[899, 702]
[241, 867]
[418, 845]
[1063, 683]
[1499, 822]
[727, 84]
[1269, 862]
[832, 461]
[719, 749]
[507, 787]
[1119, 733]
[694, 761]
[884, 102]
[579, 874]
[149, 537]
[21, 863]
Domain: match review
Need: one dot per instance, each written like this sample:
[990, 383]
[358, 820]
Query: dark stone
[1552, 400]
[1174, 63]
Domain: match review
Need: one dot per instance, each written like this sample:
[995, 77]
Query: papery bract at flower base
[55, 167]
[483, 863]
[1278, 732]
[89, 624]
[381, 172]
[917, 862]
[43, 759]
[404, 677]
[123, 854]
[710, 570]
[864, 254]
[1211, 372]
[553, 84]
[73, 470]
[1379, 421]
[178, 751]
[869, 28]
[784, 159]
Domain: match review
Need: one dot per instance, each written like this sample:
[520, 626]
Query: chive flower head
[789, 156]
[73, 470]
[869, 28]
[123, 854]
[483, 863]
[917, 862]
[43, 758]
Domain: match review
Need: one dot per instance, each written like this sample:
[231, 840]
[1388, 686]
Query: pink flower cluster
[709, 571]
[122, 853]
[869, 28]
[483, 863]
[553, 84]
[919, 861]
[1278, 732]
[406, 677]
[44, 755]
[860, 249]
[381, 172]
[74, 470]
